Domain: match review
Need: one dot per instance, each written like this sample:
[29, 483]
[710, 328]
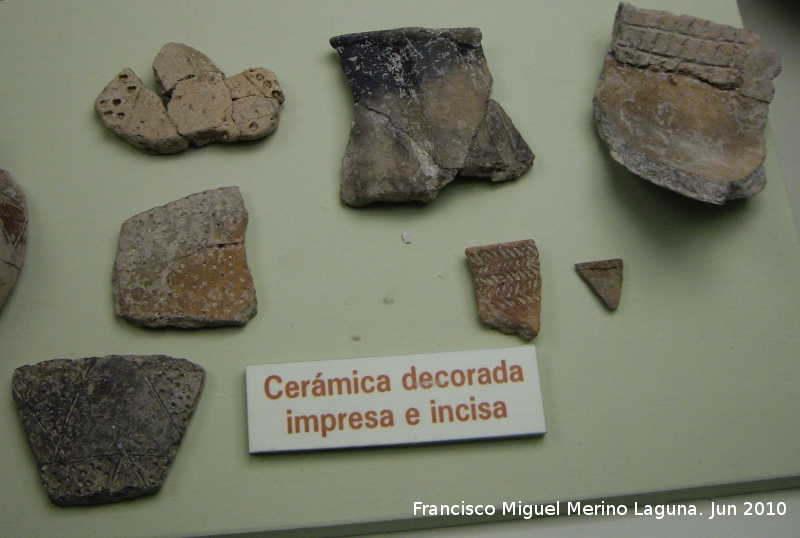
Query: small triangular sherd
[605, 278]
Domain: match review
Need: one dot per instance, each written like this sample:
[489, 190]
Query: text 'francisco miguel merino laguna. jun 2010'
[659, 511]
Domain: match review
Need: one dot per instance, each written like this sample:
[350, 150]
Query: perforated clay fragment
[202, 106]
[134, 112]
[184, 264]
[106, 429]
[13, 232]
[683, 103]
[508, 286]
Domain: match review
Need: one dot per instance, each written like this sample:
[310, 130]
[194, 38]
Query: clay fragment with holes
[106, 429]
[508, 286]
[184, 264]
[13, 232]
[136, 114]
[257, 99]
[202, 105]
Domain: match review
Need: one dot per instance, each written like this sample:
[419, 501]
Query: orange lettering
[387, 418]
[364, 384]
[327, 427]
[500, 410]
[516, 373]
[292, 389]
[439, 383]
[500, 373]
[484, 376]
[384, 384]
[266, 387]
[355, 420]
[461, 377]
[306, 419]
[410, 379]
[425, 380]
[442, 409]
[470, 371]
[372, 419]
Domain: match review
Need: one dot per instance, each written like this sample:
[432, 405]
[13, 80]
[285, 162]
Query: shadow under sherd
[669, 220]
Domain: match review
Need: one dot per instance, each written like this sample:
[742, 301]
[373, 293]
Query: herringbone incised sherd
[508, 286]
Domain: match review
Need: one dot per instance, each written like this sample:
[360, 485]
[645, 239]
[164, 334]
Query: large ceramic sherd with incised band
[683, 103]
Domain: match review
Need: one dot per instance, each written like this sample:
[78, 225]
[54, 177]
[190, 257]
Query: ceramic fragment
[422, 115]
[201, 109]
[202, 105]
[13, 232]
[137, 115]
[106, 429]
[605, 278]
[508, 286]
[184, 264]
[176, 62]
[683, 103]
[498, 151]
[257, 99]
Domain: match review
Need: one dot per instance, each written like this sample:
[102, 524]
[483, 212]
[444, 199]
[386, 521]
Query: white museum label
[395, 400]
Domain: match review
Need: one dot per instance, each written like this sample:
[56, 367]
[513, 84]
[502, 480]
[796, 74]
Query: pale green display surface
[692, 381]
